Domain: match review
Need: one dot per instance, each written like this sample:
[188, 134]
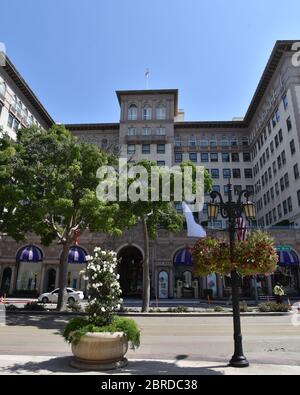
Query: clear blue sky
[75, 53]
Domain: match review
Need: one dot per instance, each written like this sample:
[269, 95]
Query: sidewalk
[38, 365]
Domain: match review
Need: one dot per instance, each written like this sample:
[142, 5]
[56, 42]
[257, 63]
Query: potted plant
[100, 340]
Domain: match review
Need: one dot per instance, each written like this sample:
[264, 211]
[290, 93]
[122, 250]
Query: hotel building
[260, 152]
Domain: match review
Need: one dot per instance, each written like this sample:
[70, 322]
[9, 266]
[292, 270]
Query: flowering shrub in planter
[101, 339]
[256, 255]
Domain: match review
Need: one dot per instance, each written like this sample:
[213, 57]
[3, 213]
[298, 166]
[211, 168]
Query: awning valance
[288, 258]
[29, 253]
[77, 255]
[183, 257]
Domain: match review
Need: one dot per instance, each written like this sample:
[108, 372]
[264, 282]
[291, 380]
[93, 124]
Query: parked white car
[52, 297]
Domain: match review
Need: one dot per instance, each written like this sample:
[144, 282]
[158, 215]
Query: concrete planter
[100, 351]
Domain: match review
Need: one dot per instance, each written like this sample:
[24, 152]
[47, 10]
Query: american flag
[241, 229]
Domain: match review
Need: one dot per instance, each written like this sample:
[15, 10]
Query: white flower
[118, 306]
[115, 259]
[103, 309]
[118, 276]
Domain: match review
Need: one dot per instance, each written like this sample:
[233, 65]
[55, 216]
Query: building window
[226, 173]
[216, 188]
[270, 173]
[296, 171]
[237, 189]
[132, 112]
[161, 131]
[279, 163]
[214, 157]
[286, 180]
[277, 188]
[161, 113]
[283, 157]
[272, 193]
[225, 157]
[235, 157]
[145, 148]
[161, 148]
[285, 102]
[285, 207]
[147, 113]
[178, 157]
[204, 157]
[246, 157]
[193, 156]
[215, 173]
[272, 147]
[131, 149]
[282, 184]
[236, 173]
[192, 141]
[298, 196]
[274, 168]
[10, 120]
[290, 204]
[276, 141]
[226, 189]
[279, 211]
[146, 131]
[131, 131]
[16, 125]
[280, 136]
[161, 163]
[248, 173]
[292, 146]
[289, 124]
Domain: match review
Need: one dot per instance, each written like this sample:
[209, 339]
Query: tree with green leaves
[154, 215]
[50, 181]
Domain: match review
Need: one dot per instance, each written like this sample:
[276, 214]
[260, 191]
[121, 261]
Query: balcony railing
[210, 145]
[148, 138]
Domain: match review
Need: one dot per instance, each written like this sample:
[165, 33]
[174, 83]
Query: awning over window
[288, 258]
[183, 257]
[29, 253]
[77, 255]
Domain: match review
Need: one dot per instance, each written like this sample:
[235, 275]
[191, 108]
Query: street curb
[190, 315]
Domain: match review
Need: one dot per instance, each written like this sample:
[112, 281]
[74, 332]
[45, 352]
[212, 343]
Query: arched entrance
[29, 260]
[183, 269]
[51, 277]
[130, 269]
[6, 279]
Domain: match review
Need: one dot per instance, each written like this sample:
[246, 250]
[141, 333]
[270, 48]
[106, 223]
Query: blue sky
[75, 53]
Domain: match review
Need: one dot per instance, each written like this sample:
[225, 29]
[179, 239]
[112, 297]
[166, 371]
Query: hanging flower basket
[256, 255]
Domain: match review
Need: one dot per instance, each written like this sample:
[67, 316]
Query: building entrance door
[130, 269]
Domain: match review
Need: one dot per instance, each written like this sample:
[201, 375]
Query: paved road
[271, 340]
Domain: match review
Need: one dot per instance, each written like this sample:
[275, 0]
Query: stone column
[13, 280]
[41, 286]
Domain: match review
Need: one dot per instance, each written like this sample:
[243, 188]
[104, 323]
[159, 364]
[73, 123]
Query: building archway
[6, 280]
[130, 269]
[29, 260]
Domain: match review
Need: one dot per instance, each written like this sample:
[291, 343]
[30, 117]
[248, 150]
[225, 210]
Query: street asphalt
[182, 345]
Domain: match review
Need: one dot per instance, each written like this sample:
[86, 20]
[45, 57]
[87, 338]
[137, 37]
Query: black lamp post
[232, 210]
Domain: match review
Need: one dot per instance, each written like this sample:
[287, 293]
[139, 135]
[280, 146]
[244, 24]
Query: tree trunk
[63, 272]
[146, 269]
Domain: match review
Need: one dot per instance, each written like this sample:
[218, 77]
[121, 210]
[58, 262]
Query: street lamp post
[232, 210]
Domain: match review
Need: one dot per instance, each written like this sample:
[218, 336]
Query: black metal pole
[238, 360]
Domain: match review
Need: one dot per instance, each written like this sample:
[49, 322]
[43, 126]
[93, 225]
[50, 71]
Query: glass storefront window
[29, 276]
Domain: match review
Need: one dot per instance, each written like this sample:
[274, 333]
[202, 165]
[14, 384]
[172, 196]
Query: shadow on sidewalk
[61, 365]
[39, 321]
